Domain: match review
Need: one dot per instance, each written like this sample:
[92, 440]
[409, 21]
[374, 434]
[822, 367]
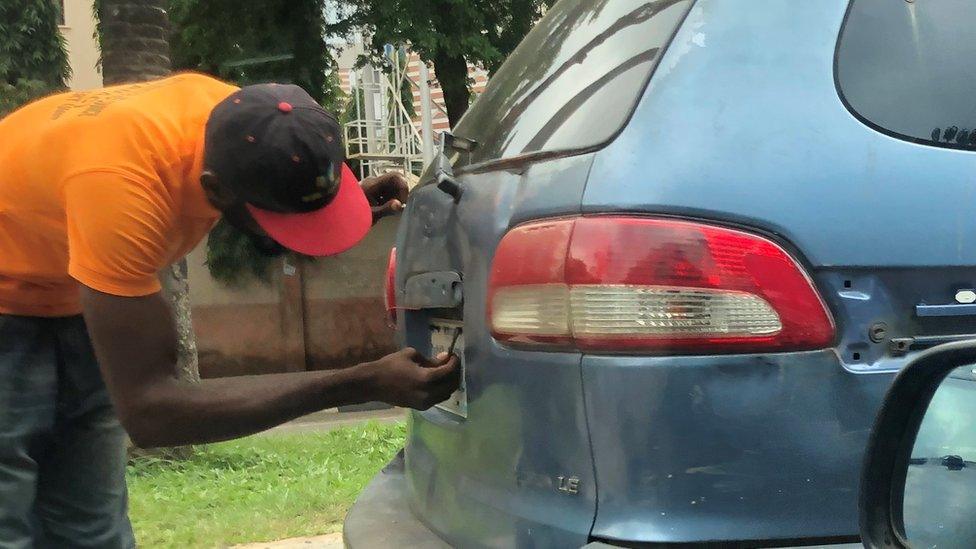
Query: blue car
[682, 247]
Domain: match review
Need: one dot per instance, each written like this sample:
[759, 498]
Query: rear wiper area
[449, 141]
[444, 172]
[900, 346]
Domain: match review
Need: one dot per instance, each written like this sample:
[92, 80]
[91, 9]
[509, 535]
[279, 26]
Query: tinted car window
[574, 80]
[909, 68]
[942, 433]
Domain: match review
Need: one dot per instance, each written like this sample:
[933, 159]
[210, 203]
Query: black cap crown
[278, 148]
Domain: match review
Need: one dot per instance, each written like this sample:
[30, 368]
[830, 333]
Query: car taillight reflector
[389, 292]
[534, 309]
[616, 284]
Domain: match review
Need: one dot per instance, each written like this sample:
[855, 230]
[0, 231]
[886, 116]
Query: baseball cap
[282, 154]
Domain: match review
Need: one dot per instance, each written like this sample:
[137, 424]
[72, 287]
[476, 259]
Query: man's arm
[386, 194]
[135, 342]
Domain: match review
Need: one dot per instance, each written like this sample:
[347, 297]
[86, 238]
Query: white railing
[382, 134]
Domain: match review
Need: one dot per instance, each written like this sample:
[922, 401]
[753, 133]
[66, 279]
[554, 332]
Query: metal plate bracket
[434, 290]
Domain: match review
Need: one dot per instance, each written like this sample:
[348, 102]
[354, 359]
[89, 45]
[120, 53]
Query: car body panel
[742, 122]
[751, 447]
[741, 125]
[492, 479]
[381, 517]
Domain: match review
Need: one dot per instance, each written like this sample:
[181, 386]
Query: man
[101, 190]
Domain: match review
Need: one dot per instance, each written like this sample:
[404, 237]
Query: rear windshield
[909, 68]
[574, 80]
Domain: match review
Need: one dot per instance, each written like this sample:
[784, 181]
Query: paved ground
[328, 541]
[328, 420]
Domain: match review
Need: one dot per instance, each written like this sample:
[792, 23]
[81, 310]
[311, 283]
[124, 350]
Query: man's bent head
[273, 165]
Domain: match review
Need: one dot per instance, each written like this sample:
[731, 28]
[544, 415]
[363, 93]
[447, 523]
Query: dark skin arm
[135, 343]
[386, 194]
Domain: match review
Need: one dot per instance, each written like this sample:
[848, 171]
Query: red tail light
[617, 284]
[389, 293]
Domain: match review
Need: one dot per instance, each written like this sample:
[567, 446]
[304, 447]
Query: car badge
[966, 296]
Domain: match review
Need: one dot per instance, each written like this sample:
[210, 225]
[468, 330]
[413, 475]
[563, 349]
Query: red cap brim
[340, 225]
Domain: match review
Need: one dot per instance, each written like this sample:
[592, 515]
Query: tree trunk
[133, 35]
[452, 74]
[177, 289]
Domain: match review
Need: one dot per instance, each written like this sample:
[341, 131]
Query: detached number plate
[441, 336]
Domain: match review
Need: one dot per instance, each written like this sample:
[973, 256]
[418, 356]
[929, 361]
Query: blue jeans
[62, 449]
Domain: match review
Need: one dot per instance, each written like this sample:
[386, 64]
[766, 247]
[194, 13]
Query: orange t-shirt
[102, 187]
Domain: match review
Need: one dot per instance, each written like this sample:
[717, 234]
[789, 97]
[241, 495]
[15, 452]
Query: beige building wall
[79, 33]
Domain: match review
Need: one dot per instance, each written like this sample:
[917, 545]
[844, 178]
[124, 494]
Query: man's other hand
[407, 378]
[386, 194]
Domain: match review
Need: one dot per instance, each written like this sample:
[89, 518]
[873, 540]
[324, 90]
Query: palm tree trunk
[134, 40]
[177, 289]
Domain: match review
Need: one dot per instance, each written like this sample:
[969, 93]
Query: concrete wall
[345, 316]
[79, 33]
[241, 330]
[323, 314]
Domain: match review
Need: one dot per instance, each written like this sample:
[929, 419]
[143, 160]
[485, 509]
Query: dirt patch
[328, 541]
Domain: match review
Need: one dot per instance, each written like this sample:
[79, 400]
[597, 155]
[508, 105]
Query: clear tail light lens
[533, 310]
[619, 284]
[389, 293]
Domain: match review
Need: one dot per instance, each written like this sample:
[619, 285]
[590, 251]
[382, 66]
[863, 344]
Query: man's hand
[407, 378]
[386, 194]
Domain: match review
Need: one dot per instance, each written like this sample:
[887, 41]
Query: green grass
[260, 488]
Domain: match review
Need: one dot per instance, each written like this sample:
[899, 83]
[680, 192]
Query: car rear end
[692, 244]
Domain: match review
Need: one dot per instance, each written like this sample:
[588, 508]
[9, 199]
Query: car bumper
[717, 545]
[381, 517]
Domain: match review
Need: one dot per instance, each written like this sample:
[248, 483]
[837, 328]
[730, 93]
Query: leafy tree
[232, 259]
[450, 34]
[33, 59]
[248, 43]
[251, 42]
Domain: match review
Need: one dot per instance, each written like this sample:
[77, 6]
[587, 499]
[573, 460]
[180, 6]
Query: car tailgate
[492, 478]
